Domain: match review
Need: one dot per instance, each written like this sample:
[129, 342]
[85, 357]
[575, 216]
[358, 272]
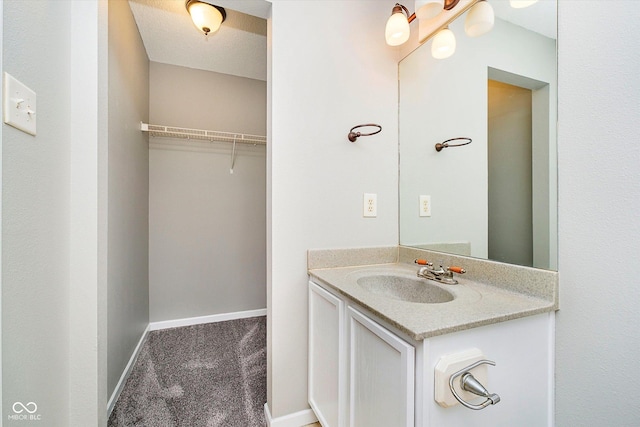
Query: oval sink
[405, 289]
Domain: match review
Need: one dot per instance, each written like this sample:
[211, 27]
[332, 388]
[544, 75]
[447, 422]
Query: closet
[207, 193]
[207, 163]
[186, 206]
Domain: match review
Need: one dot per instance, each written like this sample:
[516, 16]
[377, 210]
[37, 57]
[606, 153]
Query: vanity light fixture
[479, 20]
[444, 44]
[205, 16]
[436, 15]
[427, 9]
[397, 30]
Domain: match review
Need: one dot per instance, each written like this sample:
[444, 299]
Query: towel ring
[354, 135]
[445, 144]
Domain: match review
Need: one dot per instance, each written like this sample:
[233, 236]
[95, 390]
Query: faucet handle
[420, 261]
[455, 269]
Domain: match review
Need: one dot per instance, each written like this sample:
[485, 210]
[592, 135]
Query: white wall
[349, 75]
[322, 84]
[597, 338]
[207, 226]
[447, 98]
[128, 190]
[87, 355]
[36, 217]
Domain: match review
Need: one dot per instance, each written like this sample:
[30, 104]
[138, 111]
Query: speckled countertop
[474, 304]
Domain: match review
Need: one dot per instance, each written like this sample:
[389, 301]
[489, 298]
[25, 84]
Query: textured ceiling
[238, 48]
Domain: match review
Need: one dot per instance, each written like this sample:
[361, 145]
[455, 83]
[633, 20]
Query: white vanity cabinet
[327, 357]
[360, 374]
[363, 372]
[381, 375]
[523, 375]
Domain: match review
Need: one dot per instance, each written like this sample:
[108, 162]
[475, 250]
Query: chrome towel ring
[354, 135]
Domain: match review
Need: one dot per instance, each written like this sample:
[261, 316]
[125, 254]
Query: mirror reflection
[495, 198]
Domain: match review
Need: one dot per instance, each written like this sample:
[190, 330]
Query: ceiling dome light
[479, 20]
[444, 44]
[206, 17]
[519, 4]
[397, 30]
[428, 9]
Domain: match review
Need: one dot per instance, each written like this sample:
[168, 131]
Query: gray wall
[35, 215]
[190, 98]
[207, 226]
[597, 338]
[128, 191]
[53, 297]
[509, 184]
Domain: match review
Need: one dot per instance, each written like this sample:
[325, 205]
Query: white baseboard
[297, 419]
[125, 374]
[166, 324]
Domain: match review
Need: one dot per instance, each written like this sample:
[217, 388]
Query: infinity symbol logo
[22, 407]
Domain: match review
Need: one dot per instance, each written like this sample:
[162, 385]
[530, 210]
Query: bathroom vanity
[381, 352]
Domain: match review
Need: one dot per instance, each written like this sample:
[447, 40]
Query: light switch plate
[19, 105]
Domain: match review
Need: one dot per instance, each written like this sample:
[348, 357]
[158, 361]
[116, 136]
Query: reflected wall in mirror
[495, 198]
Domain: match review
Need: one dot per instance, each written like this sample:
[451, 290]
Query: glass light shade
[479, 20]
[428, 9]
[205, 17]
[444, 44]
[397, 30]
[519, 4]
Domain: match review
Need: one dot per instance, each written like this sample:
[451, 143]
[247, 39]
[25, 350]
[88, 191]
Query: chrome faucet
[427, 271]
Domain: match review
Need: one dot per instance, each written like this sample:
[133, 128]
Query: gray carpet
[210, 375]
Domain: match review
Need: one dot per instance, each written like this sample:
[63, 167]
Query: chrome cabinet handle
[470, 384]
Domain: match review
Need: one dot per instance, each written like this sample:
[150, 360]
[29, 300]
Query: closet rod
[200, 134]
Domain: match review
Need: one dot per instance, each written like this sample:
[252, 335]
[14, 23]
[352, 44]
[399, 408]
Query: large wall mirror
[495, 198]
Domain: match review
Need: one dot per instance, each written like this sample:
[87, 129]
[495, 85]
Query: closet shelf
[200, 134]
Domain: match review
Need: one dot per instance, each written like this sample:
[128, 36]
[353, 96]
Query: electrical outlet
[425, 205]
[370, 205]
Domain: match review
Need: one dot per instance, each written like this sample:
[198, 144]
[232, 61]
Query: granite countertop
[474, 304]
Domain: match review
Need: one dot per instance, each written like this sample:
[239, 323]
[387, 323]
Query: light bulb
[428, 9]
[444, 44]
[397, 30]
[205, 17]
[479, 20]
[519, 4]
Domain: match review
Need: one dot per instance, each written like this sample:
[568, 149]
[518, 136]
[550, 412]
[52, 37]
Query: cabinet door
[381, 375]
[326, 348]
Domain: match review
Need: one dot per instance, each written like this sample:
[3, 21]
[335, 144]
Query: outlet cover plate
[425, 205]
[370, 205]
